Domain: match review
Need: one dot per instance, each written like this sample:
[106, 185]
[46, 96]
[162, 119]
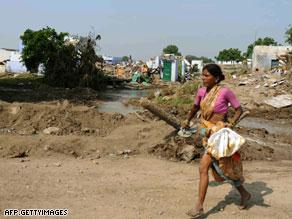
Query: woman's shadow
[257, 190]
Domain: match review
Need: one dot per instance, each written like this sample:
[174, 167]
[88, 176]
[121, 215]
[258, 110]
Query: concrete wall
[263, 55]
[15, 56]
[227, 62]
[174, 70]
[2, 68]
[153, 63]
[5, 54]
[14, 64]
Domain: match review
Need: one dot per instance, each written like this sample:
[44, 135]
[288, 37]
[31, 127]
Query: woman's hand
[228, 125]
[185, 124]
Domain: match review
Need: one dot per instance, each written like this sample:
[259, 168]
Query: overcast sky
[143, 28]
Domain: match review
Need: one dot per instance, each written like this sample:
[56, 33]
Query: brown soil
[99, 164]
[138, 187]
[83, 131]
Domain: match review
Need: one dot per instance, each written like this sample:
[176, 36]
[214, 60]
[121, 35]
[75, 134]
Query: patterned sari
[227, 167]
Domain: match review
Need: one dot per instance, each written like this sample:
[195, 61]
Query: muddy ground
[110, 165]
[82, 131]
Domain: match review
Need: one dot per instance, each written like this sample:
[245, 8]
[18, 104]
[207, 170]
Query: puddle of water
[118, 107]
[119, 95]
[15, 89]
[272, 126]
[115, 98]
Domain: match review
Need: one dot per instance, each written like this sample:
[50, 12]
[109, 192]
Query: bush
[188, 88]
[66, 63]
[184, 95]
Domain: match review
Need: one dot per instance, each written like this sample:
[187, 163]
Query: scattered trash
[51, 130]
[242, 83]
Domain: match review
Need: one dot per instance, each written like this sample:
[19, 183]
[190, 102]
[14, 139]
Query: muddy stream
[115, 99]
[114, 102]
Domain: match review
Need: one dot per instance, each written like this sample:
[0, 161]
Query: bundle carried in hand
[224, 143]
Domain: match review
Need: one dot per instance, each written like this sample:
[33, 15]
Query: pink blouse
[225, 97]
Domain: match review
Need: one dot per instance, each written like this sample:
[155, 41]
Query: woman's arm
[193, 112]
[237, 114]
[191, 115]
[231, 98]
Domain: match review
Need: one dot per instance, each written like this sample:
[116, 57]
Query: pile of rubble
[284, 62]
[272, 87]
[138, 74]
[167, 67]
[270, 79]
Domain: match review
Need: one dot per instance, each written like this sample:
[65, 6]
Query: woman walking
[213, 100]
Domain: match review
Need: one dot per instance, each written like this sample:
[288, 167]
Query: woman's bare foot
[195, 212]
[244, 199]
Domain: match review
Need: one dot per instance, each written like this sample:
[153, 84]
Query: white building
[153, 62]
[5, 54]
[228, 62]
[15, 64]
[10, 61]
[266, 57]
[2, 67]
[113, 60]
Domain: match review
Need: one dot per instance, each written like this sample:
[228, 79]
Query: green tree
[191, 57]
[125, 58]
[231, 54]
[37, 44]
[66, 63]
[288, 35]
[206, 59]
[267, 41]
[171, 49]
[89, 75]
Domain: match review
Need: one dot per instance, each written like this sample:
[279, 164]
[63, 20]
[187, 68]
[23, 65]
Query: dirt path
[138, 187]
[100, 165]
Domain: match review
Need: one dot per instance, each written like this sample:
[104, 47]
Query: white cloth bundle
[224, 143]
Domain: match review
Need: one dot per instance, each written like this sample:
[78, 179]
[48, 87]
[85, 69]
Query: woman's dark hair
[215, 70]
